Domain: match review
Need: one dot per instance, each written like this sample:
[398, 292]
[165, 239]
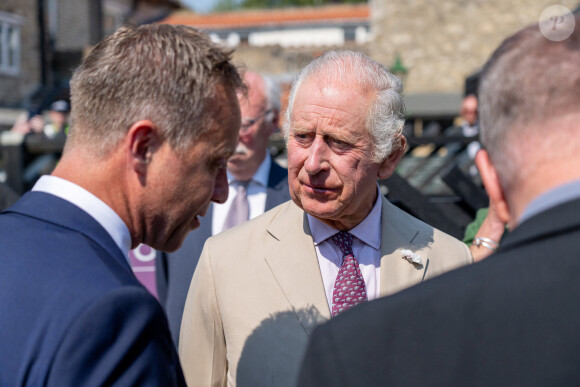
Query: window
[10, 43]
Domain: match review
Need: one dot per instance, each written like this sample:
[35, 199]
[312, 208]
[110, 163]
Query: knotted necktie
[349, 288]
[240, 209]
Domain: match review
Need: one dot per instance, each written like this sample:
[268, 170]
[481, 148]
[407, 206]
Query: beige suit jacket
[257, 293]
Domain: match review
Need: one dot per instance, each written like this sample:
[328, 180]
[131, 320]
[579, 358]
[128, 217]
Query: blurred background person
[34, 124]
[58, 124]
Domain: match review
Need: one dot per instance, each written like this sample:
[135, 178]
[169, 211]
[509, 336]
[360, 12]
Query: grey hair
[528, 81]
[385, 116]
[272, 92]
[163, 73]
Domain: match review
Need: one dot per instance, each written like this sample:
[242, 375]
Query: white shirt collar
[91, 204]
[368, 231]
[261, 175]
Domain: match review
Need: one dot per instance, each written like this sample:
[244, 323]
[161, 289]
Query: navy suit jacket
[510, 320]
[175, 270]
[72, 312]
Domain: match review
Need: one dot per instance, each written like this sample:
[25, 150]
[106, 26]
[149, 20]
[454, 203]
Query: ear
[492, 185]
[388, 165]
[143, 140]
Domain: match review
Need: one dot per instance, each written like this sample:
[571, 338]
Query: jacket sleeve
[202, 346]
[122, 339]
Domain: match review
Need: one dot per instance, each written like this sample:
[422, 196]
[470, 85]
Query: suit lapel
[397, 234]
[292, 260]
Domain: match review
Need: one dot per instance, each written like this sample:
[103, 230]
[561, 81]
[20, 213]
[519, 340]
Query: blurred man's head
[260, 108]
[155, 118]
[529, 117]
[58, 113]
[343, 131]
[469, 109]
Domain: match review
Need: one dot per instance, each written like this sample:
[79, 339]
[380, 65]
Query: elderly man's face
[258, 123]
[469, 109]
[330, 168]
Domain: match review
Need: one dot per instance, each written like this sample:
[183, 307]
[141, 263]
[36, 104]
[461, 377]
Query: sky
[201, 6]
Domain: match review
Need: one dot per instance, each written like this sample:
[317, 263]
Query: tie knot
[344, 242]
[242, 186]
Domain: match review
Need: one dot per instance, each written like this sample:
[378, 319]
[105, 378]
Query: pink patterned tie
[349, 288]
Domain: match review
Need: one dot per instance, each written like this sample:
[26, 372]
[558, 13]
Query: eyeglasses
[248, 123]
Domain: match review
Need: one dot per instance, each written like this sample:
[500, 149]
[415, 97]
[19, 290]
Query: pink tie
[240, 209]
[349, 288]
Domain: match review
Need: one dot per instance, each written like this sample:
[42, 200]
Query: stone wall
[72, 37]
[441, 42]
[284, 62]
[73, 18]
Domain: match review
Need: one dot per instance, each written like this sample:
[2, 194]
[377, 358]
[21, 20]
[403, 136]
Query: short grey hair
[272, 93]
[386, 115]
[529, 81]
[160, 72]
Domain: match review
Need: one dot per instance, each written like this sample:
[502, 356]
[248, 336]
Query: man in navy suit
[512, 319]
[155, 119]
[252, 164]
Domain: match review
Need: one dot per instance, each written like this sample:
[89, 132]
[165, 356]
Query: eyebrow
[300, 129]
[348, 138]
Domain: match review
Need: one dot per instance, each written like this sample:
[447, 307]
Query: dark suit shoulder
[278, 174]
[54, 275]
[277, 191]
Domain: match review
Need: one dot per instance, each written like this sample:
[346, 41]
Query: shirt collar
[551, 198]
[91, 204]
[261, 175]
[368, 231]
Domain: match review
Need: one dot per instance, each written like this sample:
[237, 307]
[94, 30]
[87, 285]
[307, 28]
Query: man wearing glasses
[256, 184]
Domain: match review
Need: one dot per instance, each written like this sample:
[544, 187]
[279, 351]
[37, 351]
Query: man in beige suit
[261, 288]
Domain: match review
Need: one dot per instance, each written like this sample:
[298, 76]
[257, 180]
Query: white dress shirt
[256, 192]
[92, 205]
[366, 248]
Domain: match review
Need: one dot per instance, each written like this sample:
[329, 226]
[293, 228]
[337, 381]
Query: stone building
[20, 62]
[442, 42]
[42, 41]
[279, 42]
[439, 43]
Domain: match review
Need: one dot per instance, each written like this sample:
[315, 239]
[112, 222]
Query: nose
[221, 189]
[317, 157]
[244, 136]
